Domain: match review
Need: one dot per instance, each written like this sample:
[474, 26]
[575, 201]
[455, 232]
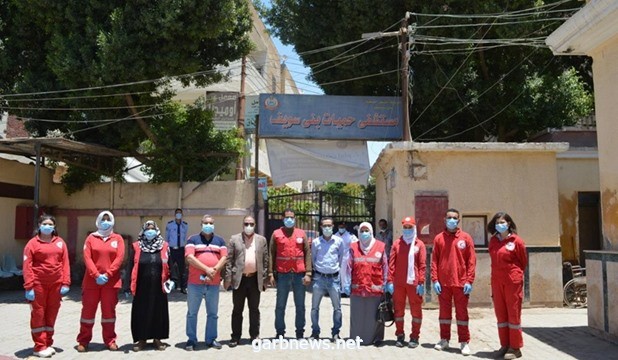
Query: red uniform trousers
[450, 293]
[507, 298]
[416, 309]
[43, 313]
[108, 297]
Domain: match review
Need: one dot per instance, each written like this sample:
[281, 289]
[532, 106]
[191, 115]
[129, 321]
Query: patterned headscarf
[153, 245]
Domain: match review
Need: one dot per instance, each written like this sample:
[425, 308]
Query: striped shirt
[208, 252]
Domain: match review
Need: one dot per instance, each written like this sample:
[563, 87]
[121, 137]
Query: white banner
[327, 160]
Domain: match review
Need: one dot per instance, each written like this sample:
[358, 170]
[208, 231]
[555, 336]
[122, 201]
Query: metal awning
[85, 155]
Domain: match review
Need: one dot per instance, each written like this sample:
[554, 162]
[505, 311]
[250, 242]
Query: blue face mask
[105, 225]
[341, 231]
[289, 222]
[47, 229]
[365, 236]
[208, 228]
[178, 216]
[502, 227]
[451, 224]
[327, 231]
[150, 234]
[408, 233]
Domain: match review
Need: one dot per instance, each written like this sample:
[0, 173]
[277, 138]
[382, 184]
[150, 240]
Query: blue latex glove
[347, 290]
[30, 295]
[420, 289]
[467, 289]
[102, 279]
[437, 287]
[64, 290]
[389, 288]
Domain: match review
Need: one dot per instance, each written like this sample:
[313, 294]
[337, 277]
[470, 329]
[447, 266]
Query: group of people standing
[334, 264]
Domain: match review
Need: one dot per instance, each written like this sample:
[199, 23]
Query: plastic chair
[10, 266]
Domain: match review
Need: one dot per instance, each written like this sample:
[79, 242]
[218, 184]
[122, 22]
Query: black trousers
[177, 256]
[248, 290]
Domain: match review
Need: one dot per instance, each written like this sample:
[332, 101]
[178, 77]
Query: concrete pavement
[549, 333]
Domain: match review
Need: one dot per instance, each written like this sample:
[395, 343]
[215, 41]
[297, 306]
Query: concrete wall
[602, 287]
[482, 179]
[575, 174]
[606, 92]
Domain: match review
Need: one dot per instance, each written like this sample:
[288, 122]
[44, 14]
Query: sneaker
[82, 348]
[501, 352]
[215, 345]
[53, 351]
[441, 345]
[113, 347]
[45, 353]
[159, 345]
[336, 337]
[183, 290]
[465, 349]
[280, 334]
[399, 342]
[190, 346]
[512, 354]
[314, 336]
[300, 335]
[233, 343]
[413, 343]
[139, 346]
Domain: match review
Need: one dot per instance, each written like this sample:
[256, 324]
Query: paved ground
[549, 333]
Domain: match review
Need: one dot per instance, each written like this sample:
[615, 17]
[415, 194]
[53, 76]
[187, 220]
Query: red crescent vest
[367, 271]
[165, 271]
[290, 255]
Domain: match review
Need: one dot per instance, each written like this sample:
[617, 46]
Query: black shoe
[413, 343]
[314, 336]
[399, 342]
[336, 337]
[377, 343]
[300, 335]
[233, 343]
[215, 345]
[280, 334]
[183, 290]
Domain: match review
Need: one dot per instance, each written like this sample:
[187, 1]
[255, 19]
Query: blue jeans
[321, 286]
[195, 293]
[285, 283]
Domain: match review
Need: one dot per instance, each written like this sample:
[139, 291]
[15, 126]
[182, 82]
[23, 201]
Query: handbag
[385, 310]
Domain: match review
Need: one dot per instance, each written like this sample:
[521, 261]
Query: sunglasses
[249, 224]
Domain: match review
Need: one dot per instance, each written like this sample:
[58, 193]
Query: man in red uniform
[103, 257]
[290, 253]
[453, 262]
[406, 270]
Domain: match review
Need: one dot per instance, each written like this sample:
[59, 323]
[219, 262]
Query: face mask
[327, 231]
[365, 236]
[179, 216]
[451, 224]
[382, 229]
[249, 230]
[105, 225]
[502, 227]
[150, 234]
[208, 228]
[341, 231]
[47, 229]
[409, 234]
[288, 222]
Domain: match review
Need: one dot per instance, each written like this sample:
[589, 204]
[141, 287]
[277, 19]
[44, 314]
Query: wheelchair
[575, 292]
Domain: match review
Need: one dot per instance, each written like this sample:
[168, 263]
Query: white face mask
[249, 230]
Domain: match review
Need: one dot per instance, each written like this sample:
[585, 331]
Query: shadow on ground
[585, 347]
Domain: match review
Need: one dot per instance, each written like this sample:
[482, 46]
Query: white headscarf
[104, 233]
[366, 246]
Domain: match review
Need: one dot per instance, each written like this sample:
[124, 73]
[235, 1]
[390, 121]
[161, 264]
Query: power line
[533, 11]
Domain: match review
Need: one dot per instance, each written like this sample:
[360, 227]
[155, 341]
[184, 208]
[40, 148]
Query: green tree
[50, 46]
[462, 91]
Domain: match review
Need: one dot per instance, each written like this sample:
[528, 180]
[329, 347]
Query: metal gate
[311, 207]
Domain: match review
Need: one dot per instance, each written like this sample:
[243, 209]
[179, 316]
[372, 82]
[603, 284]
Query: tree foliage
[461, 91]
[47, 47]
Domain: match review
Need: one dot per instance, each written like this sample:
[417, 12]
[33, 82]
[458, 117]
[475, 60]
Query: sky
[299, 72]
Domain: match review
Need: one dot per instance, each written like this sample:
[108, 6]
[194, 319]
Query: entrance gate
[310, 207]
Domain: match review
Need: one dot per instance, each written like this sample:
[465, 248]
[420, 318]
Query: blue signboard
[330, 117]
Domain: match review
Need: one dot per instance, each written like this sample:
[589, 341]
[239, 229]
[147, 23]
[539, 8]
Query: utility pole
[240, 123]
[405, 58]
[404, 45]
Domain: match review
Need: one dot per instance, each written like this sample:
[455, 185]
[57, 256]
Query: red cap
[408, 220]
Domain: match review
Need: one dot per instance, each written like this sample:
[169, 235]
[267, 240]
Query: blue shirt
[327, 255]
[176, 234]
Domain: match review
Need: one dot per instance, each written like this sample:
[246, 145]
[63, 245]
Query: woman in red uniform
[508, 262]
[46, 278]
[103, 256]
